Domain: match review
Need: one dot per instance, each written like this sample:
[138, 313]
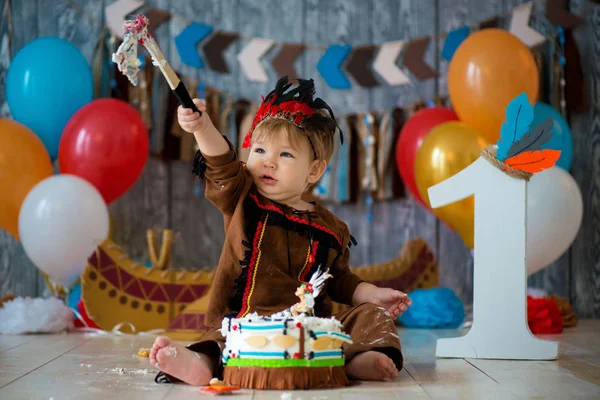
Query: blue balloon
[561, 134]
[47, 82]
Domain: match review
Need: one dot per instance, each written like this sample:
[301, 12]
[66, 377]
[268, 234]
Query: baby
[275, 240]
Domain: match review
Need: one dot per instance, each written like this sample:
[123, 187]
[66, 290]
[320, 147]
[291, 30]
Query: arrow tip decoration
[186, 43]
[214, 48]
[453, 40]
[519, 26]
[329, 66]
[283, 63]
[359, 64]
[249, 59]
[385, 63]
[115, 14]
[413, 59]
[156, 18]
[489, 23]
[557, 13]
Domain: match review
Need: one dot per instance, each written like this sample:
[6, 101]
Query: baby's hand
[394, 301]
[191, 121]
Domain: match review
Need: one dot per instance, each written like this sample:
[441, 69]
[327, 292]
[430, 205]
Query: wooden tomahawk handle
[177, 86]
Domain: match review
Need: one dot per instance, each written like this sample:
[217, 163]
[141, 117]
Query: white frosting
[126, 56]
[127, 60]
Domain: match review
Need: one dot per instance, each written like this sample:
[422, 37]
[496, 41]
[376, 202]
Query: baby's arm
[394, 301]
[348, 288]
[209, 139]
[225, 177]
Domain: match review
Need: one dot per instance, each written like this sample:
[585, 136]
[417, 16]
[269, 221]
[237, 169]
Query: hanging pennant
[489, 23]
[283, 63]
[519, 26]
[453, 40]
[355, 157]
[329, 66]
[385, 151]
[576, 91]
[398, 121]
[557, 12]
[341, 188]
[385, 63]
[413, 59]
[156, 17]
[187, 43]
[161, 93]
[4, 65]
[359, 66]
[116, 12]
[225, 119]
[215, 47]
[249, 59]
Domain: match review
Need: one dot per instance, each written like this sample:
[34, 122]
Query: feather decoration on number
[519, 147]
[519, 115]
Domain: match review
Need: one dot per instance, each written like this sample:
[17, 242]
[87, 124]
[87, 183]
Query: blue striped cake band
[262, 327]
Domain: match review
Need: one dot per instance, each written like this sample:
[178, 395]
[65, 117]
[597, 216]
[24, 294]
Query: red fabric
[294, 110]
[85, 316]
[543, 316]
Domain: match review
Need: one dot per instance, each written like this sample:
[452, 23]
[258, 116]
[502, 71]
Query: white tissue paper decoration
[35, 315]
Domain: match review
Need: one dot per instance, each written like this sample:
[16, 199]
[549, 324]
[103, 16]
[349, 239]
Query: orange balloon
[24, 161]
[489, 69]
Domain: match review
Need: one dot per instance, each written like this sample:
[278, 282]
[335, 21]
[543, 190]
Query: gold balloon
[489, 69]
[24, 162]
[446, 150]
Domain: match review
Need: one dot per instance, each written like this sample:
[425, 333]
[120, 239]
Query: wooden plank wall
[164, 196]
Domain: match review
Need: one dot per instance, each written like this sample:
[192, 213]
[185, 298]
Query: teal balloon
[561, 134]
[47, 82]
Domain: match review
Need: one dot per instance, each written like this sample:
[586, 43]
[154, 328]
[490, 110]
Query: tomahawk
[136, 31]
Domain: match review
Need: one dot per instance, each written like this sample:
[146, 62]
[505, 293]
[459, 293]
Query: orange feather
[533, 161]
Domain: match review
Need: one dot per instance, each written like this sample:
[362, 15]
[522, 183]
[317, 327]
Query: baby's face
[280, 171]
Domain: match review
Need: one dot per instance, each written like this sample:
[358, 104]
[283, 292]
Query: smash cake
[291, 349]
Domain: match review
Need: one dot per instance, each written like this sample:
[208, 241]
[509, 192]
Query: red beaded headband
[296, 106]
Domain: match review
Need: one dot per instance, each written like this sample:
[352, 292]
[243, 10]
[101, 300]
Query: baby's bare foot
[372, 366]
[176, 360]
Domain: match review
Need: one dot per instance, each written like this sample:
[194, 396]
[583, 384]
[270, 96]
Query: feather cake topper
[520, 146]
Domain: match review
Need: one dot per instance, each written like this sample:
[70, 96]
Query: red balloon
[411, 138]
[106, 143]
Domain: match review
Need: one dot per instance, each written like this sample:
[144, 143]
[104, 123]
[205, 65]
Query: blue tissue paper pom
[433, 308]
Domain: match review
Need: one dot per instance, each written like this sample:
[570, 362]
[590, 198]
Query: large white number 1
[499, 329]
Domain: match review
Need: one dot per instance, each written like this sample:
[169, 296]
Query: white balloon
[62, 220]
[554, 214]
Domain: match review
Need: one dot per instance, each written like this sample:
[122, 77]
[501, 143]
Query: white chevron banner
[519, 26]
[249, 59]
[385, 63]
[116, 12]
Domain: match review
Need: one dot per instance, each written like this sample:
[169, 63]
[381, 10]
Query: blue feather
[519, 116]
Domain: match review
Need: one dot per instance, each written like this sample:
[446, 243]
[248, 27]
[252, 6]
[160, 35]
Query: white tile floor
[80, 366]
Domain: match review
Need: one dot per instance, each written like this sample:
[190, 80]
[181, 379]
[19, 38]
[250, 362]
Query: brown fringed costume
[269, 249]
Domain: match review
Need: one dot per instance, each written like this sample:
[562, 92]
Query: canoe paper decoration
[116, 290]
[519, 146]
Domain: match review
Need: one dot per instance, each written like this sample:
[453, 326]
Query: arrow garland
[392, 63]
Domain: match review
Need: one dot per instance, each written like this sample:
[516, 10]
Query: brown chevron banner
[156, 18]
[413, 59]
[359, 66]
[489, 23]
[283, 63]
[558, 13]
[214, 48]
